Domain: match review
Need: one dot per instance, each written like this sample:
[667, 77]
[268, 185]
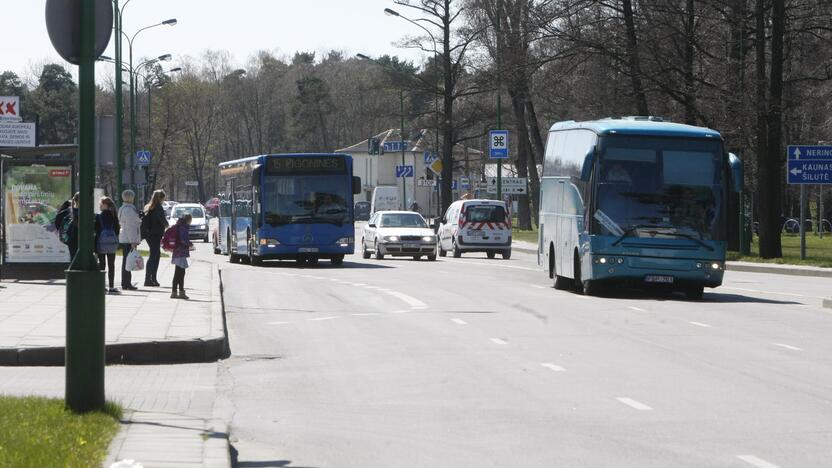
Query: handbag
[135, 262]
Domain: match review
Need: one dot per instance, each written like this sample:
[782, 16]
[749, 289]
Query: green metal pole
[404, 179]
[499, 104]
[132, 120]
[119, 107]
[84, 390]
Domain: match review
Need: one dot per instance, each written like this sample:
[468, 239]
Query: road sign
[436, 166]
[454, 185]
[17, 134]
[809, 165]
[511, 185]
[465, 182]
[191, 183]
[429, 157]
[143, 158]
[404, 171]
[498, 144]
[62, 20]
[480, 185]
[426, 183]
[394, 146]
[10, 109]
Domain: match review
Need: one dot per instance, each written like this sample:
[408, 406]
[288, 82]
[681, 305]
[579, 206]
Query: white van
[385, 198]
[476, 226]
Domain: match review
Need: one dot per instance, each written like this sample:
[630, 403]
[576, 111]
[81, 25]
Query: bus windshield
[659, 187]
[305, 198]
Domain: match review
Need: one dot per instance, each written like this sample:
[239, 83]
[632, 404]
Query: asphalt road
[481, 363]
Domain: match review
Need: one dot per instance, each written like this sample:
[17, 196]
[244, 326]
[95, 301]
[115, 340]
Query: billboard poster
[31, 197]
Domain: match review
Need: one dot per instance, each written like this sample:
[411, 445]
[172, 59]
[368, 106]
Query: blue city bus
[287, 207]
[635, 201]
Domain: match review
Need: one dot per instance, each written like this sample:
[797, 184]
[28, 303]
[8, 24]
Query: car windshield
[196, 212]
[485, 214]
[659, 187]
[312, 198]
[402, 220]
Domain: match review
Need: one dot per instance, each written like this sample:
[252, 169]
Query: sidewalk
[142, 327]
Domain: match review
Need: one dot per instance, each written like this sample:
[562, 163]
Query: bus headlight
[715, 266]
[391, 238]
[345, 241]
[602, 260]
[265, 242]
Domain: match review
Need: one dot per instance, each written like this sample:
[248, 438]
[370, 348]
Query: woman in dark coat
[107, 220]
[154, 225]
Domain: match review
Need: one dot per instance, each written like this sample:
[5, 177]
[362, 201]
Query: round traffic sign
[63, 20]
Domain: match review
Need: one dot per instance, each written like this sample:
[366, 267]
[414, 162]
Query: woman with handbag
[106, 239]
[154, 225]
[130, 236]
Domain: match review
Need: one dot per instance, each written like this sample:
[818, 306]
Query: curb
[779, 270]
[146, 352]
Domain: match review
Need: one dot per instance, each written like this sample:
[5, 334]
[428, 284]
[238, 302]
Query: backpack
[107, 241]
[171, 238]
[145, 225]
[64, 223]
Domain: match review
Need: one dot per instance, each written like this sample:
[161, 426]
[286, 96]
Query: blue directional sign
[453, 185]
[143, 158]
[394, 146]
[498, 144]
[404, 171]
[809, 165]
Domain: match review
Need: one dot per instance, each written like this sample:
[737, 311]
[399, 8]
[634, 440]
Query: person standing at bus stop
[180, 256]
[130, 235]
[153, 225]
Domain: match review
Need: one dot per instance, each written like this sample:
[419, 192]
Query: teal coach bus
[635, 201]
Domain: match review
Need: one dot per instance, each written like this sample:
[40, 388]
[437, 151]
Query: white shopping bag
[135, 262]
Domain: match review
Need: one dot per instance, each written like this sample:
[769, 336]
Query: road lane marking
[366, 314]
[411, 301]
[700, 324]
[400, 311]
[495, 264]
[318, 319]
[498, 341]
[360, 284]
[758, 462]
[538, 286]
[634, 404]
[771, 292]
[459, 321]
[553, 367]
[279, 323]
[793, 348]
[637, 309]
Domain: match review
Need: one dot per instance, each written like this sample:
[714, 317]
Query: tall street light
[401, 104]
[130, 41]
[394, 13]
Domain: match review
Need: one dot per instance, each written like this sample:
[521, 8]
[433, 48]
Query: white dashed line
[758, 462]
[553, 367]
[634, 404]
[366, 314]
[700, 324]
[498, 341]
[459, 321]
[495, 264]
[537, 286]
[793, 348]
[323, 318]
[279, 323]
[411, 301]
[359, 284]
[637, 309]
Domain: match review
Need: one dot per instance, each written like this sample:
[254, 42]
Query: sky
[241, 27]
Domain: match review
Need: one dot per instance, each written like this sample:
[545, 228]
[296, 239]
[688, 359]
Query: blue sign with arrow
[404, 171]
[809, 164]
[143, 158]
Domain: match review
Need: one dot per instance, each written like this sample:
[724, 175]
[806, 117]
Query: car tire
[442, 252]
[432, 258]
[379, 255]
[365, 254]
[457, 253]
[417, 257]
[490, 255]
[507, 255]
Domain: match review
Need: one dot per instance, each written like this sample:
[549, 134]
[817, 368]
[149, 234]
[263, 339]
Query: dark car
[362, 211]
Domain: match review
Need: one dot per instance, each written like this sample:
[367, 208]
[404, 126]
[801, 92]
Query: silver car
[398, 234]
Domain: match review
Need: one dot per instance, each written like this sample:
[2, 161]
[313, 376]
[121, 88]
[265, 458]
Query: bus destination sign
[320, 164]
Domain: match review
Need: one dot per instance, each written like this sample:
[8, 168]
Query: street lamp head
[174, 70]
[164, 58]
[363, 57]
[391, 12]
[170, 22]
[104, 58]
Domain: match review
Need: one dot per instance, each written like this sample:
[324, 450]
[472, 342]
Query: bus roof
[638, 126]
[262, 157]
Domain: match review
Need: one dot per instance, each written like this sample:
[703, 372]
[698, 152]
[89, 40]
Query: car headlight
[269, 242]
[202, 227]
[346, 240]
[429, 238]
[391, 238]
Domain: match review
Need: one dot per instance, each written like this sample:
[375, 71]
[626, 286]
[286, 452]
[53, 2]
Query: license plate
[658, 279]
[307, 249]
[412, 246]
[476, 233]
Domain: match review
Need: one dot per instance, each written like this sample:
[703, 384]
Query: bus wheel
[312, 261]
[695, 293]
[563, 283]
[578, 283]
[592, 288]
[337, 261]
[300, 261]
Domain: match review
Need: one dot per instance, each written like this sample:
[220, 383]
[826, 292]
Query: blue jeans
[155, 244]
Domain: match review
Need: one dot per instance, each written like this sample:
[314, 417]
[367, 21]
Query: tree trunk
[537, 157]
[690, 39]
[772, 176]
[448, 111]
[524, 220]
[633, 59]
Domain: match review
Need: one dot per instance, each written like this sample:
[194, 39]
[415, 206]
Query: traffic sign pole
[802, 222]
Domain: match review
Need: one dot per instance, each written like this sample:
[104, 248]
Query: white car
[476, 226]
[398, 234]
[199, 219]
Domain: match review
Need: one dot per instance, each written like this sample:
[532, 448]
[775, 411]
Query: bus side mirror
[737, 179]
[589, 159]
[356, 185]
